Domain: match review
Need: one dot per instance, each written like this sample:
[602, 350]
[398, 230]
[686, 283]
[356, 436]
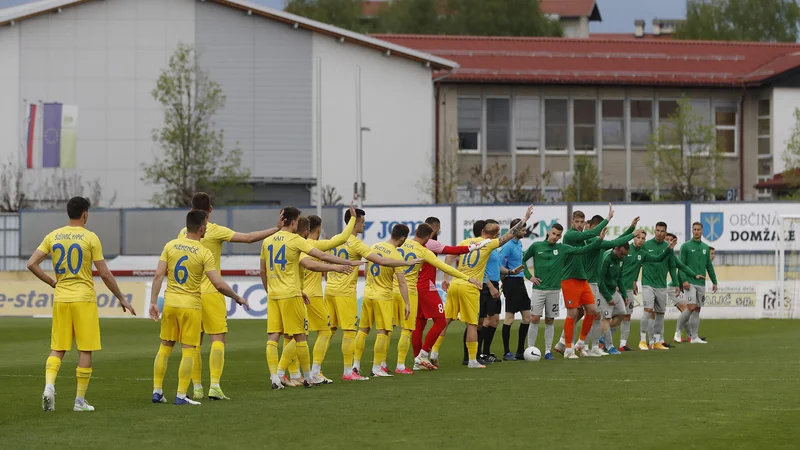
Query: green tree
[740, 20]
[499, 18]
[585, 186]
[791, 161]
[411, 17]
[683, 155]
[346, 14]
[194, 156]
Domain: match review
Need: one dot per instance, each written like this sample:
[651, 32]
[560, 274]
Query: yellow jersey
[215, 236]
[473, 264]
[412, 249]
[380, 279]
[344, 285]
[73, 250]
[312, 281]
[281, 253]
[187, 263]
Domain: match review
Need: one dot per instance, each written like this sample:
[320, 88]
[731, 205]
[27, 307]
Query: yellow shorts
[463, 303]
[76, 321]
[215, 313]
[400, 311]
[287, 316]
[181, 325]
[377, 314]
[343, 312]
[318, 317]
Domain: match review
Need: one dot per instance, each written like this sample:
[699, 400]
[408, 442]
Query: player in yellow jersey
[340, 291]
[378, 304]
[415, 248]
[215, 321]
[185, 262]
[74, 249]
[280, 273]
[463, 299]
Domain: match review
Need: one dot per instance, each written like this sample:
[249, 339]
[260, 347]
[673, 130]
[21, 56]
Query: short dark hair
[314, 222]
[478, 227]
[595, 220]
[488, 221]
[302, 225]
[359, 213]
[578, 215]
[195, 219]
[423, 231]
[201, 202]
[712, 248]
[672, 236]
[400, 231]
[432, 220]
[558, 227]
[626, 246]
[515, 222]
[661, 224]
[290, 214]
[76, 206]
[697, 223]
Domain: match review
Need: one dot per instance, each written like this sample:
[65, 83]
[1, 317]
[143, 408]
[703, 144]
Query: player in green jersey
[696, 255]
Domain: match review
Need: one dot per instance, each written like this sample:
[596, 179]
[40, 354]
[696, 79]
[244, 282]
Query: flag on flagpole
[59, 136]
[31, 134]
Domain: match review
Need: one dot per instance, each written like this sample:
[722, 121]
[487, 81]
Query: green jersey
[548, 261]
[575, 265]
[633, 263]
[610, 275]
[594, 258]
[655, 274]
[697, 256]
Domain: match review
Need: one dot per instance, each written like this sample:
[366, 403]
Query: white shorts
[655, 299]
[545, 303]
[696, 295]
[608, 311]
[630, 303]
[673, 299]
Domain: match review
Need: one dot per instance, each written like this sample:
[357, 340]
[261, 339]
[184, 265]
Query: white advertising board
[742, 227]
[673, 214]
[379, 221]
[539, 224]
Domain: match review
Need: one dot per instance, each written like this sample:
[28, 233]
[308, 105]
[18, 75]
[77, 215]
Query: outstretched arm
[391, 262]
[111, 284]
[328, 257]
[316, 266]
[516, 228]
[255, 236]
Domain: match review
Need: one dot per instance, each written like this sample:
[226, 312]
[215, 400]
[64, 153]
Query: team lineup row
[400, 290]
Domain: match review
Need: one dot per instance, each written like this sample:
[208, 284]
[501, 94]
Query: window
[725, 121]
[584, 118]
[469, 124]
[641, 122]
[667, 110]
[764, 193]
[613, 123]
[764, 132]
[528, 124]
[555, 124]
[498, 125]
[765, 167]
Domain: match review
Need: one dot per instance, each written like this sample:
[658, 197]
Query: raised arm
[516, 228]
[34, 266]
[605, 245]
[256, 236]
[593, 245]
[339, 239]
[158, 280]
[111, 284]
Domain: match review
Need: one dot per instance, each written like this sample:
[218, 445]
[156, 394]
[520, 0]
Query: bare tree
[494, 185]
[14, 187]
[56, 191]
[330, 197]
[446, 171]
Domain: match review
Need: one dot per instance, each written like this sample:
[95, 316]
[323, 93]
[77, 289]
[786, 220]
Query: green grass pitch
[739, 391]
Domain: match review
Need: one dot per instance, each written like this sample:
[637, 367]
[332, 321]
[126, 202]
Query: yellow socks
[348, 343]
[304, 358]
[160, 367]
[216, 361]
[51, 367]
[381, 346]
[185, 370]
[321, 346]
[197, 367]
[472, 349]
[402, 348]
[361, 343]
[272, 357]
[289, 354]
[83, 374]
[438, 344]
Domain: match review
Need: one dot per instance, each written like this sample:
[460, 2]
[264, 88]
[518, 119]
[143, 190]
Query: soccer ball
[532, 354]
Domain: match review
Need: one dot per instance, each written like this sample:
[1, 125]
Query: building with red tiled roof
[537, 103]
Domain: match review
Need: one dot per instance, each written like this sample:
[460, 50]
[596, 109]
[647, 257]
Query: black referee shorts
[490, 306]
[516, 295]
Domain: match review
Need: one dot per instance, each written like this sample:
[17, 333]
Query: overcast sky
[618, 15]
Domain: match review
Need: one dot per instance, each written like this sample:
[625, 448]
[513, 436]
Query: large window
[725, 122]
[527, 122]
[469, 124]
[498, 125]
[667, 110]
[613, 123]
[555, 122]
[584, 118]
[641, 123]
